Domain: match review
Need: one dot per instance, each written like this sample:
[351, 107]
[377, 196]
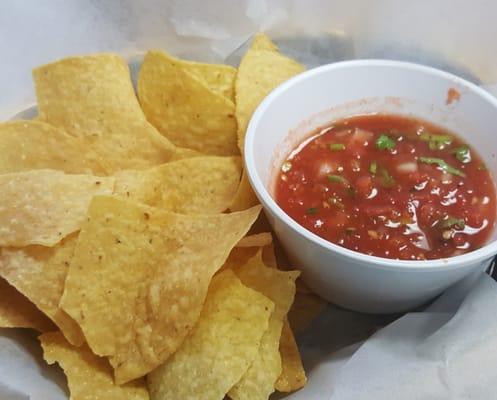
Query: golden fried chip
[44, 206]
[292, 374]
[39, 273]
[269, 256]
[184, 108]
[245, 196]
[92, 98]
[261, 69]
[306, 307]
[27, 145]
[279, 286]
[219, 78]
[262, 41]
[243, 252]
[89, 377]
[139, 277]
[200, 185]
[257, 240]
[16, 311]
[221, 347]
[238, 257]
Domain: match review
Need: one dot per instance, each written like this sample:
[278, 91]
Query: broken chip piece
[221, 347]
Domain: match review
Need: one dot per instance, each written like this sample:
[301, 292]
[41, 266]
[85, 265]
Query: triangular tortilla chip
[257, 240]
[139, 277]
[261, 41]
[16, 311]
[221, 347]
[292, 374]
[279, 286]
[219, 78]
[184, 108]
[44, 206]
[305, 308]
[261, 69]
[27, 145]
[244, 196]
[88, 376]
[199, 185]
[39, 273]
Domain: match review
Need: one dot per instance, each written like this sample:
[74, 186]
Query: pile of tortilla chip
[124, 231]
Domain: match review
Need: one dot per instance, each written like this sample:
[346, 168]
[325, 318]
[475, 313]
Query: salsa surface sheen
[389, 186]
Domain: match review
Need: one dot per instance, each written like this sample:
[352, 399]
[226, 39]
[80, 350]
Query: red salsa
[389, 186]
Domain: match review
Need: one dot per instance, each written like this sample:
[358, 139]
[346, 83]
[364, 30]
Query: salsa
[389, 186]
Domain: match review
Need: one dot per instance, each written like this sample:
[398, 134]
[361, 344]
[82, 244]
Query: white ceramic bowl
[313, 99]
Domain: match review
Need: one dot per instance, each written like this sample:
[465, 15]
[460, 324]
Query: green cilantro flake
[338, 179]
[463, 154]
[436, 142]
[385, 143]
[452, 222]
[337, 146]
[386, 180]
[373, 167]
[443, 165]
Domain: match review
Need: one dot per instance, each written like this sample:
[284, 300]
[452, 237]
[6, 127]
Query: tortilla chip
[140, 275]
[16, 311]
[44, 206]
[221, 347]
[184, 108]
[262, 41]
[238, 257]
[261, 70]
[200, 185]
[88, 376]
[27, 145]
[241, 253]
[245, 196]
[219, 78]
[306, 307]
[259, 380]
[257, 240]
[261, 225]
[39, 274]
[92, 98]
[269, 256]
[292, 375]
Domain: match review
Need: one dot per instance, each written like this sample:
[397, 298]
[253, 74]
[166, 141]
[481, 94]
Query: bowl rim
[488, 251]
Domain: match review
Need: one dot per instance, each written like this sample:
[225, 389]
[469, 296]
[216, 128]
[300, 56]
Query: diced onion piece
[325, 168]
[361, 136]
[407, 167]
[447, 178]
[355, 165]
[373, 234]
[343, 133]
[287, 166]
